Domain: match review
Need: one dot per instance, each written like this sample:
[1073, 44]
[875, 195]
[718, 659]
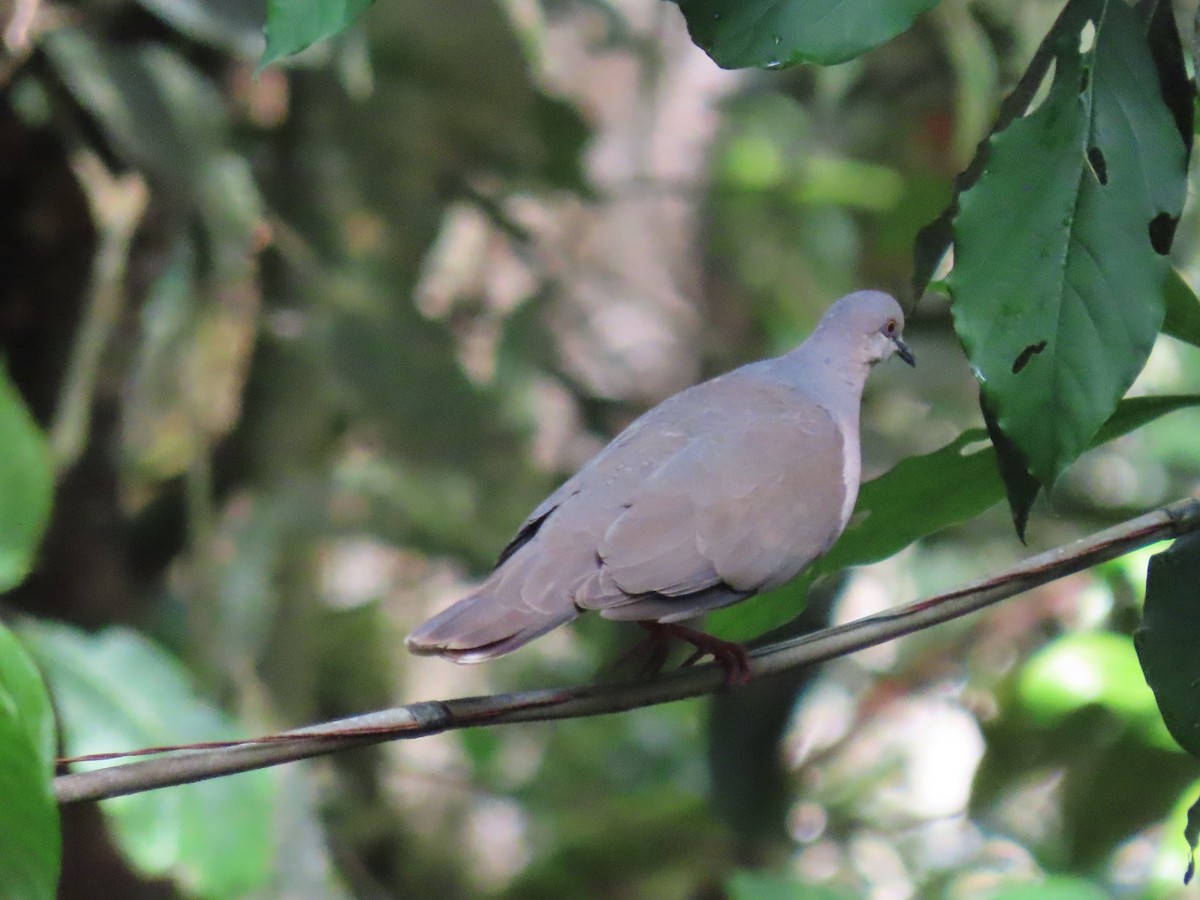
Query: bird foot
[728, 655]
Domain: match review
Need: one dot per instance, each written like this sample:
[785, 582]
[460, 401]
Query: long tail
[482, 626]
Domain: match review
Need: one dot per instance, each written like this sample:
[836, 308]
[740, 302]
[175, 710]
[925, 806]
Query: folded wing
[741, 507]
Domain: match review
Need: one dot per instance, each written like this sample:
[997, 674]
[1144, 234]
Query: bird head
[872, 315]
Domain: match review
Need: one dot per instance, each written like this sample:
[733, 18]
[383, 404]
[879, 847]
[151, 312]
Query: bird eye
[890, 328]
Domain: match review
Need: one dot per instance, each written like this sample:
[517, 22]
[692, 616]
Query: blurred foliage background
[307, 345]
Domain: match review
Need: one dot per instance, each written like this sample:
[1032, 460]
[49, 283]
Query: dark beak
[903, 352]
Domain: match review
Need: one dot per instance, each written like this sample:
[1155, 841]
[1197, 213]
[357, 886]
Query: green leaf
[26, 484]
[904, 504]
[293, 25]
[740, 34]
[30, 845]
[918, 497]
[115, 691]
[1059, 247]
[1166, 643]
[1182, 320]
[1134, 412]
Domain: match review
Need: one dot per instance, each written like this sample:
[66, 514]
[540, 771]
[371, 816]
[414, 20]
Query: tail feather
[481, 627]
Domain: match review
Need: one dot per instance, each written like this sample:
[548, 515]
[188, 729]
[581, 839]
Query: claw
[728, 655]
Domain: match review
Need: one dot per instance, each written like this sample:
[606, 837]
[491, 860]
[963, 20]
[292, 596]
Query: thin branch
[24, 14]
[433, 717]
[117, 205]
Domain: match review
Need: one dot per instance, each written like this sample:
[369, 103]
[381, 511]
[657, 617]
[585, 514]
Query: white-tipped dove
[724, 490]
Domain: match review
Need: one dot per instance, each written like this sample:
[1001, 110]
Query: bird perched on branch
[726, 489]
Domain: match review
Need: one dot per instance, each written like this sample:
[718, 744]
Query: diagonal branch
[118, 204]
[432, 717]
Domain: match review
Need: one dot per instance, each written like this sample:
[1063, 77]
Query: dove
[724, 490]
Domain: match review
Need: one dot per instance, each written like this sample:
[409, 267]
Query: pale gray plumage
[726, 489]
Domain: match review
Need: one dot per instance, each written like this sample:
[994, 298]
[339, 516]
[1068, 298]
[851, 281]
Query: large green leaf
[1059, 247]
[916, 498]
[30, 846]
[26, 486]
[115, 691]
[740, 34]
[293, 25]
[1166, 643]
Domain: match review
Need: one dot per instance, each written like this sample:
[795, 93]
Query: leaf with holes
[1060, 246]
[740, 34]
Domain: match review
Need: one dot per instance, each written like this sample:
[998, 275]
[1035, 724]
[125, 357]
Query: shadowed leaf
[739, 34]
[1167, 641]
[1069, 221]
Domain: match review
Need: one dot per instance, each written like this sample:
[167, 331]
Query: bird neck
[827, 370]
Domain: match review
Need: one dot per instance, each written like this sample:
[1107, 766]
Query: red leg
[729, 656]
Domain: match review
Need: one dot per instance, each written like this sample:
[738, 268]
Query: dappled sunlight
[291, 352]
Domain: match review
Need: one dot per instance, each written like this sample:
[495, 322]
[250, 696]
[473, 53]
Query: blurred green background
[307, 347]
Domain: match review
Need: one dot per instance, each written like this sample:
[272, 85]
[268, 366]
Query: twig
[433, 717]
[117, 205]
[28, 22]
[16, 34]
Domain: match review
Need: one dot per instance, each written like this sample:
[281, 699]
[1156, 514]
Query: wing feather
[743, 507]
